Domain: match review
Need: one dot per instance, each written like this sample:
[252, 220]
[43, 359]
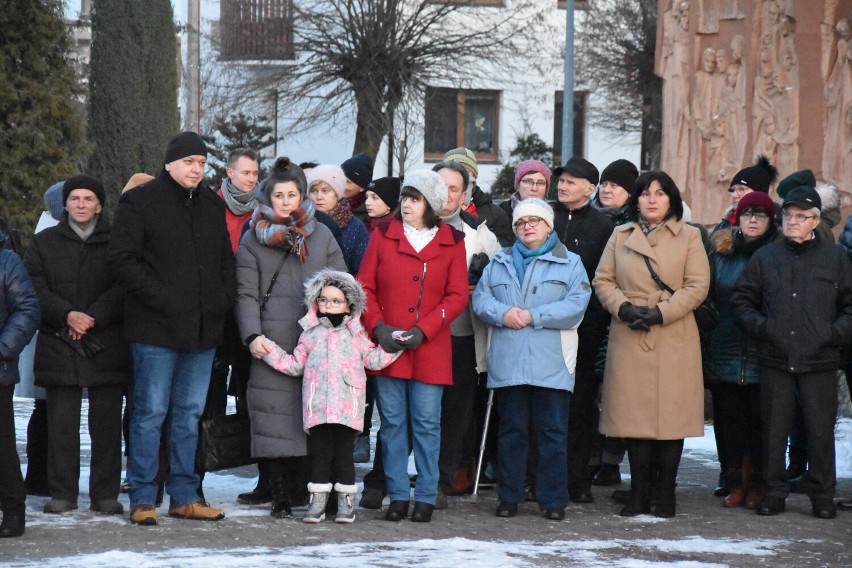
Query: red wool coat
[426, 289]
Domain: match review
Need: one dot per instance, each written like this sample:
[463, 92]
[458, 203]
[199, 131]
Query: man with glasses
[795, 296]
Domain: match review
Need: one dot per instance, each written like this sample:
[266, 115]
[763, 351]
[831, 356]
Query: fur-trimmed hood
[729, 240]
[351, 288]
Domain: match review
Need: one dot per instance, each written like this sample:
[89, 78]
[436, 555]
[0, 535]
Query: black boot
[280, 503]
[261, 493]
[13, 524]
[667, 458]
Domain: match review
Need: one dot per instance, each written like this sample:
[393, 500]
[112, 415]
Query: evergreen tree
[40, 130]
[133, 88]
[237, 131]
[529, 146]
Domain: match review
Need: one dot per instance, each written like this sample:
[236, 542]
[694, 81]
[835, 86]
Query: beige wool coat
[653, 385]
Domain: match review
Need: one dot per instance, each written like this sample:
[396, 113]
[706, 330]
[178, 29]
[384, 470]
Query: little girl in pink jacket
[331, 355]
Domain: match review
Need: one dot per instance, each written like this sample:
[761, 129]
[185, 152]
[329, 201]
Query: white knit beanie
[533, 207]
[432, 186]
[332, 175]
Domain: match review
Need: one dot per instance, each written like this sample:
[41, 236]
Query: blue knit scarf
[522, 256]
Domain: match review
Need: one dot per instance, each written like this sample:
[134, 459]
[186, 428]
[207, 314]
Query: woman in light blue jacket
[533, 296]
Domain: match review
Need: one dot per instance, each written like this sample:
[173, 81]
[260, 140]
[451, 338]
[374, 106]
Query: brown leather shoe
[736, 497]
[144, 515]
[197, 511]
[752, 500]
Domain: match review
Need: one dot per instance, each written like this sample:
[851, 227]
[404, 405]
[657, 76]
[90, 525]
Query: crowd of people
[596, 322]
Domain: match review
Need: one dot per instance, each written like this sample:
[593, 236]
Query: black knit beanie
[183, 145]
[621, 172]
[757, 177]
[359, 169]
[82, 181]
[388, 189]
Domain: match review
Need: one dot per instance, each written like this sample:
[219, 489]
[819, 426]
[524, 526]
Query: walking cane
[474, 496]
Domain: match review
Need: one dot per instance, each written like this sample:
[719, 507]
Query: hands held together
[394, 339]
[517, 318]
[640, 318]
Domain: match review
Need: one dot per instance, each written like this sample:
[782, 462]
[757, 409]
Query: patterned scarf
[285, 232]
[342, 213]
[238, 202]
[647, 227]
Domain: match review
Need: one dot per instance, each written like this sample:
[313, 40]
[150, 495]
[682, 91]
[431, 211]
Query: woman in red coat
[415, 275]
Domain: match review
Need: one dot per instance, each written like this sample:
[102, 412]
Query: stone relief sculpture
[708, 16]
[837, 152]
[733, 10]
[786, 83]
[675, 73]
[702, 109]
[738, 130]
[762, 112]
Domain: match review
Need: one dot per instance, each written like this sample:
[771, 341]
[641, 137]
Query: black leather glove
[477, 265]
[628, 313]
[413, 338]
[653, 316]
[75, 344]
[383, 332]
[91, 345]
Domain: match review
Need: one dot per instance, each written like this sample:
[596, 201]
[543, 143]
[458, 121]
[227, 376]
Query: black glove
[628, 313]
[383, 332]
[91, 345]
[477, 266]
[413, 338]
[653, 316]
[74, 344]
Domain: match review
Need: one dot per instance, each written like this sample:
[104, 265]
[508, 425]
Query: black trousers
[63, 418]
[13, 494]
[817, 394]
[330, 447]
[37, 447]
[738, 424]
[457, 405]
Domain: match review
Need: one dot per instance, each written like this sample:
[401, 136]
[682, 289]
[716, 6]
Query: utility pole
[568, 88]
[193, 53]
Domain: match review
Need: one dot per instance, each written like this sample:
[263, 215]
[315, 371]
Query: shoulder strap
[272, 282]
[655, 276]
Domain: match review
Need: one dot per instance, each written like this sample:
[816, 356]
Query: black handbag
[224, 442]
[706, 315]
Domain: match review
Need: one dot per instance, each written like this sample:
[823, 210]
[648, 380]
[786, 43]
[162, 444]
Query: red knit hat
[756, 199]
[529, 167]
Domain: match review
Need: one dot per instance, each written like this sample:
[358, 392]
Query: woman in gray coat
[282, 249]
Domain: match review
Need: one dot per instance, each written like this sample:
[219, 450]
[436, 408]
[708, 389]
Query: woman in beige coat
[653, 392]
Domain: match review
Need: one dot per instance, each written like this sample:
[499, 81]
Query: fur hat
[332, 175]
[136, 180]
[529, 167]
[579, 168]
[756, 199]
[802, 177]
[82, 181]
[431, 185]
[387, 188]
[622, 173]
[757, 177]
[358, 169]
[463, 156]
[183, 145]
[346, 283]
[535, 207]
[54, 201]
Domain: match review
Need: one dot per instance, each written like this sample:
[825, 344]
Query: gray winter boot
[345, 503]
[319, 496]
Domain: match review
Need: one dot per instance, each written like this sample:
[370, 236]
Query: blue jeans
[401, 401]
[174, 383]
[548, 410]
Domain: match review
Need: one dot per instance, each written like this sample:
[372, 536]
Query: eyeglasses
[333, 302]
[798, 217]
[531, 221]
[541, 184]
[757, 215]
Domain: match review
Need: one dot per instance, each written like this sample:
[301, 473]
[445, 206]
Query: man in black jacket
[795, 295]
[171, 252]
[584, 231]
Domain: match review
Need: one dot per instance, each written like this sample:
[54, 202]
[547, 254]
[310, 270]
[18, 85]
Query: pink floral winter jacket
[334, 387]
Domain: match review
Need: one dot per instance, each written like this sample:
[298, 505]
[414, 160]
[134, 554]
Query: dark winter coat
[585, 232]
[495, 218]
[171, 252]
[796, 298]
[19, 314]
[275, 400]
[353, 242]
[427, 289]
[845, 239]
[618, 215]
[70, 274]
[731, 356]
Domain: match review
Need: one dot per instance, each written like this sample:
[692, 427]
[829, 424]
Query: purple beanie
[529, 167]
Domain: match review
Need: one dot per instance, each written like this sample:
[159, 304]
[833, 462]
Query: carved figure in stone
[702, 109]
[786, 82]
[762, 111]
[675, 74]
[837, 152]
[733, 10]
[708, 16]
[737, 70]
[719, 171]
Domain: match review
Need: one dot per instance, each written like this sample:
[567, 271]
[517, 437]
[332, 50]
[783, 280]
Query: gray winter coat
[274, 402]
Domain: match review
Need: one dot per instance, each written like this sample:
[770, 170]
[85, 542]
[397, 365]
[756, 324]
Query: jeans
[166, 381]
[401, 401]
[548, 411]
